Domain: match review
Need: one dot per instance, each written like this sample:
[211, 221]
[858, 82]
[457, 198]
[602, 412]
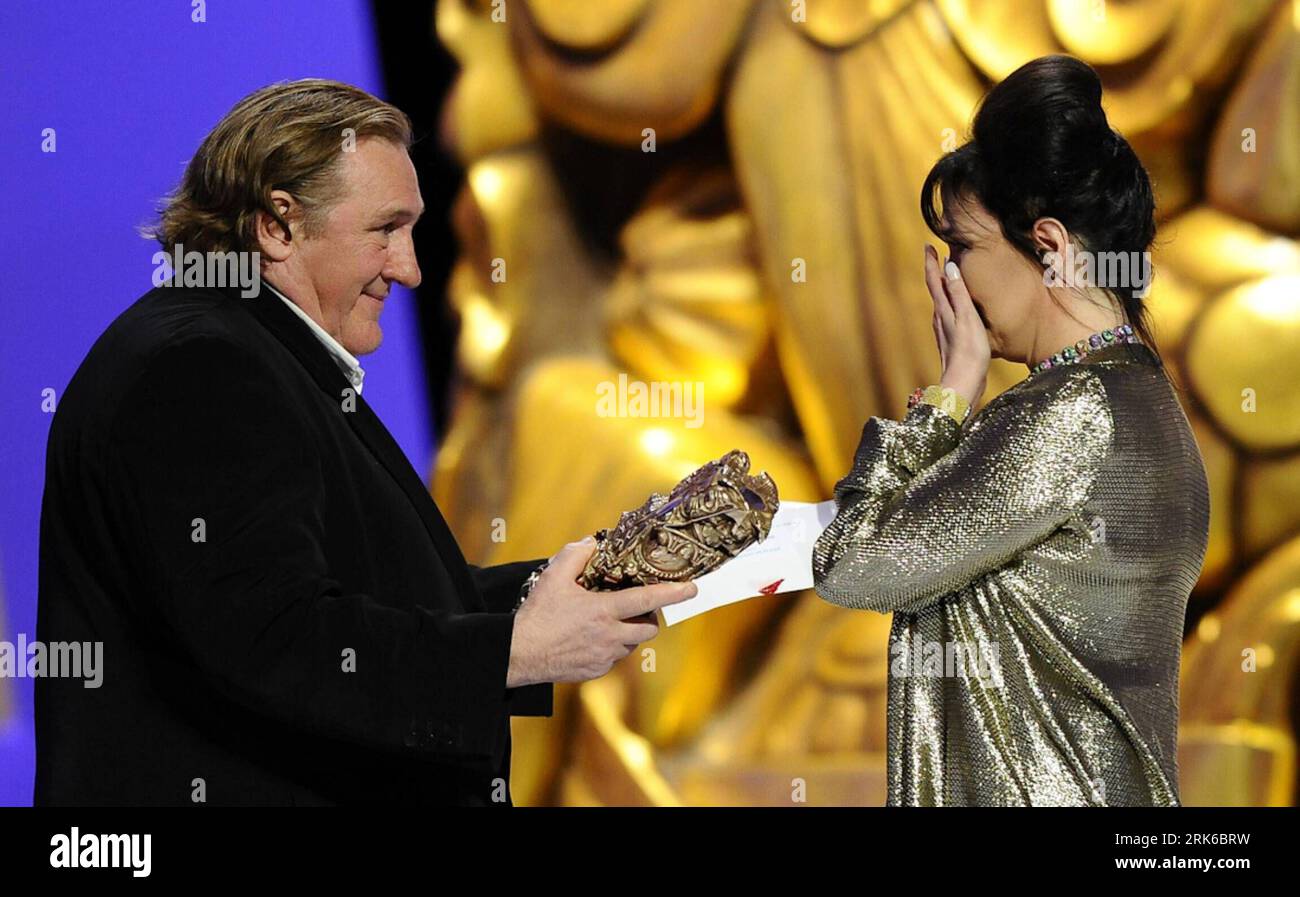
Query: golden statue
[725, 197]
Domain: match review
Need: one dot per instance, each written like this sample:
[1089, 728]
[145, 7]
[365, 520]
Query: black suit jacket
[285, 616]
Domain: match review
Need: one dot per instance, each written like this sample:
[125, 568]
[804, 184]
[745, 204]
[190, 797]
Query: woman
[1052, 539]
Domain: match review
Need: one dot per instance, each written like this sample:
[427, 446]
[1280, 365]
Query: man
[285, 616]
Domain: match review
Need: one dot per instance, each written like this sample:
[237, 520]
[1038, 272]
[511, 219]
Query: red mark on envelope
[770, 588]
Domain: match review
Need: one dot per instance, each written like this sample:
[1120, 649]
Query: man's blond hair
[288, 136]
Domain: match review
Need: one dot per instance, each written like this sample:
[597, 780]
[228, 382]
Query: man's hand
[564, 633]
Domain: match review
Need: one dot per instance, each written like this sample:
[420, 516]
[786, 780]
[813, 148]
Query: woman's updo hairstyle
[1041, 147]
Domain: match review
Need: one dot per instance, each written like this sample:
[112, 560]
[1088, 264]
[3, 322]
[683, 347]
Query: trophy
[707, 519]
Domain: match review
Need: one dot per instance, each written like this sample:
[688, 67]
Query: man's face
[364, 244]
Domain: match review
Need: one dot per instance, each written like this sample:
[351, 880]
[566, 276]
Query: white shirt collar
[346, 361]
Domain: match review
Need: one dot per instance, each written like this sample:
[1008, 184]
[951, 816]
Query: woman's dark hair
[1041, 147]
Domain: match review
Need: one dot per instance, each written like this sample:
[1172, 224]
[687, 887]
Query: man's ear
[273, 240]
[1050, 235]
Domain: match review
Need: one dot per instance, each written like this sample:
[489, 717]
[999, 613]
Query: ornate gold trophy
[707, 519]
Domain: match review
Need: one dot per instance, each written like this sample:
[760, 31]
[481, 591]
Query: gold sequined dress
[1037, 559]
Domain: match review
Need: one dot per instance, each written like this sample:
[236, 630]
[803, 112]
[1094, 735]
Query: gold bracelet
[945, 398]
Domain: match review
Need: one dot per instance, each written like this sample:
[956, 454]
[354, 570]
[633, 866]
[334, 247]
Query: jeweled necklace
[1102, 339]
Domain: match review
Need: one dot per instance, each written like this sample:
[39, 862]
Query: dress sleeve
[926, 510]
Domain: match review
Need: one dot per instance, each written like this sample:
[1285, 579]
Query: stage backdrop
[125, 90]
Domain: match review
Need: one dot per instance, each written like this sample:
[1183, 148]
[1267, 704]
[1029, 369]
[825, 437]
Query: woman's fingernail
[952, 271]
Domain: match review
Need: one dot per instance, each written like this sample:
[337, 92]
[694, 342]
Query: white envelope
[780, 563]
